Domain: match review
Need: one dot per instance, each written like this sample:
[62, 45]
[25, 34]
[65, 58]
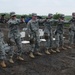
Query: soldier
[14, 34]
[22, 19]
[48, 34]
[72, 31]
[4, 48]
[33, 30]
[2, 19]
[59, 33]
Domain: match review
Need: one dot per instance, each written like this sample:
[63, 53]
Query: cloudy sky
[41, 7]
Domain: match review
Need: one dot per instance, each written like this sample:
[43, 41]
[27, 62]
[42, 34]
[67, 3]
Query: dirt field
[62, 63]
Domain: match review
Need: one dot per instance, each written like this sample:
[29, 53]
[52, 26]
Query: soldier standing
[4, 48]
[14, 34]
[48, 34]
[59, 33]
[72, 31]
[33, 30]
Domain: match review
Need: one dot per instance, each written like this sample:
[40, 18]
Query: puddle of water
[25, 42]
[42, 40]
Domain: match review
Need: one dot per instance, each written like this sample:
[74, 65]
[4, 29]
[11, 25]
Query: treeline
[56, 16]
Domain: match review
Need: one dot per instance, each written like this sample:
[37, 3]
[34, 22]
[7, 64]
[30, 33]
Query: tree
[56, 16]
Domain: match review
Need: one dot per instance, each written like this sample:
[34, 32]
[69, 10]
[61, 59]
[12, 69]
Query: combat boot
[47, 52]
[38, 53]
[53, 51]
[69, 47]
[2, 63]
[31, 55]
[20, 58]
[11, 60]
[64, 48]
[57, 50]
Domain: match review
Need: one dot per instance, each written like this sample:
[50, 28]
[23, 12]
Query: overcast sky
[41, 7]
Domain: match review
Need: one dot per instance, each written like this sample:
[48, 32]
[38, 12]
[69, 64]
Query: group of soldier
[33, 31]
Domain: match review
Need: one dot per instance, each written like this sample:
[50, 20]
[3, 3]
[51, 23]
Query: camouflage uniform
[4, 48]
[14, 34]
[59, 32]
[48, 30]
[72, 32]
[33, 29]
